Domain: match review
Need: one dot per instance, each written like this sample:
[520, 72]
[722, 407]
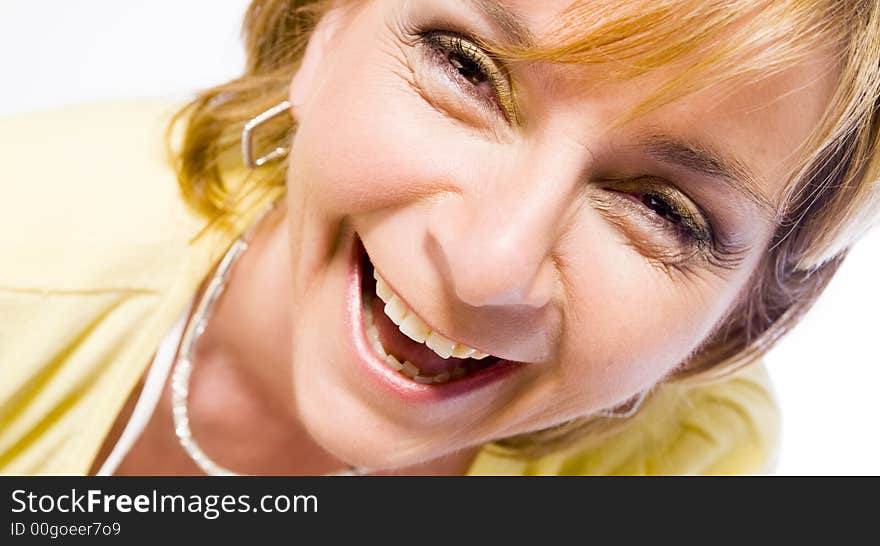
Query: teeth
[440, 344]
[393, 362]
[382, 288]
[408, 369]
[373, 332]
[415, 328]
[396, 310]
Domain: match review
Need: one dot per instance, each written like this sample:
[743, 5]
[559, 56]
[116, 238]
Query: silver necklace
[183, 363]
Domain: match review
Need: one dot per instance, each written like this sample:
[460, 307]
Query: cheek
[370, 141]
[628, 322]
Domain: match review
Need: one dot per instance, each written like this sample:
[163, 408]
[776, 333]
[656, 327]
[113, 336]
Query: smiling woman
[448, 237]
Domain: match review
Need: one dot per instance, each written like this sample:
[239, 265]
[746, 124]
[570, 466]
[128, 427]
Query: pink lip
[370, 362]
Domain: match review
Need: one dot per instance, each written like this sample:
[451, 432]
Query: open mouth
[406, 344]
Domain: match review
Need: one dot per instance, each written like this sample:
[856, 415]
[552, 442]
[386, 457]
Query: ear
[305, 80]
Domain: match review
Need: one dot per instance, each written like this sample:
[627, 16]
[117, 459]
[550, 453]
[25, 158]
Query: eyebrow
[513, 26]
[704, 160]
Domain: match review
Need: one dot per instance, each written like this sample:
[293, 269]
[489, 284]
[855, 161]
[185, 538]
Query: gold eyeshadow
[450, 43]
[675, 241]
[689, 216]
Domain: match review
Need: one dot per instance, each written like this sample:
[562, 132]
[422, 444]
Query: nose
[495, 239]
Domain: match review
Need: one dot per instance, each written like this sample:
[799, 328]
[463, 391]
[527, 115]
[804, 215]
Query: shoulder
[86, 139]
[98, 260]
[100, 254]
[728, 427]
[84, 184]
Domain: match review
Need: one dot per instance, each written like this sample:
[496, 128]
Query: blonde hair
[831, 199]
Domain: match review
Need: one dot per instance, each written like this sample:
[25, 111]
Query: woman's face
[587, 260]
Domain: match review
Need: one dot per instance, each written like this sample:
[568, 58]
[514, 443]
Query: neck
[242, 406]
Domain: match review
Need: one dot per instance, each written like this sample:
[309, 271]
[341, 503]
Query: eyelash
[693, 231]
[676, 217]
[464, 61]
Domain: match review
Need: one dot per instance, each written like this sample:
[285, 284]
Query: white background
[57, 52]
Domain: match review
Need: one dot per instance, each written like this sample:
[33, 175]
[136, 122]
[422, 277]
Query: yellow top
[100, 255]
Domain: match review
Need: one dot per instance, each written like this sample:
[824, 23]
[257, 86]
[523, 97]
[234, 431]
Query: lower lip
[392, 380]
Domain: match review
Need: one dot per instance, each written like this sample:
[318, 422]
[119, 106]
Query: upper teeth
[415, 328]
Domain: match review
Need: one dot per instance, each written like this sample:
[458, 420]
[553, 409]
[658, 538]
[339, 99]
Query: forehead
[764, 122]
[541, 15]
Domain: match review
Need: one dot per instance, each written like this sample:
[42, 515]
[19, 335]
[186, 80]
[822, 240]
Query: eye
[680, 218]
[662, 208]
[667, 210]
[468, 68]
[472, 69]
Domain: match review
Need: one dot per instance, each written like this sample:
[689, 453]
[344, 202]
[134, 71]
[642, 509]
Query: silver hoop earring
[247, 137]
[625, 410]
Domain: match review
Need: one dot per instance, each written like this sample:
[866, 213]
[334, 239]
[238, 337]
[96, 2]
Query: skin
[502, 236]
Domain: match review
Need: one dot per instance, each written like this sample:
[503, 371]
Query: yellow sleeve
[731, 427]
[93, 246]
[100, 253]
